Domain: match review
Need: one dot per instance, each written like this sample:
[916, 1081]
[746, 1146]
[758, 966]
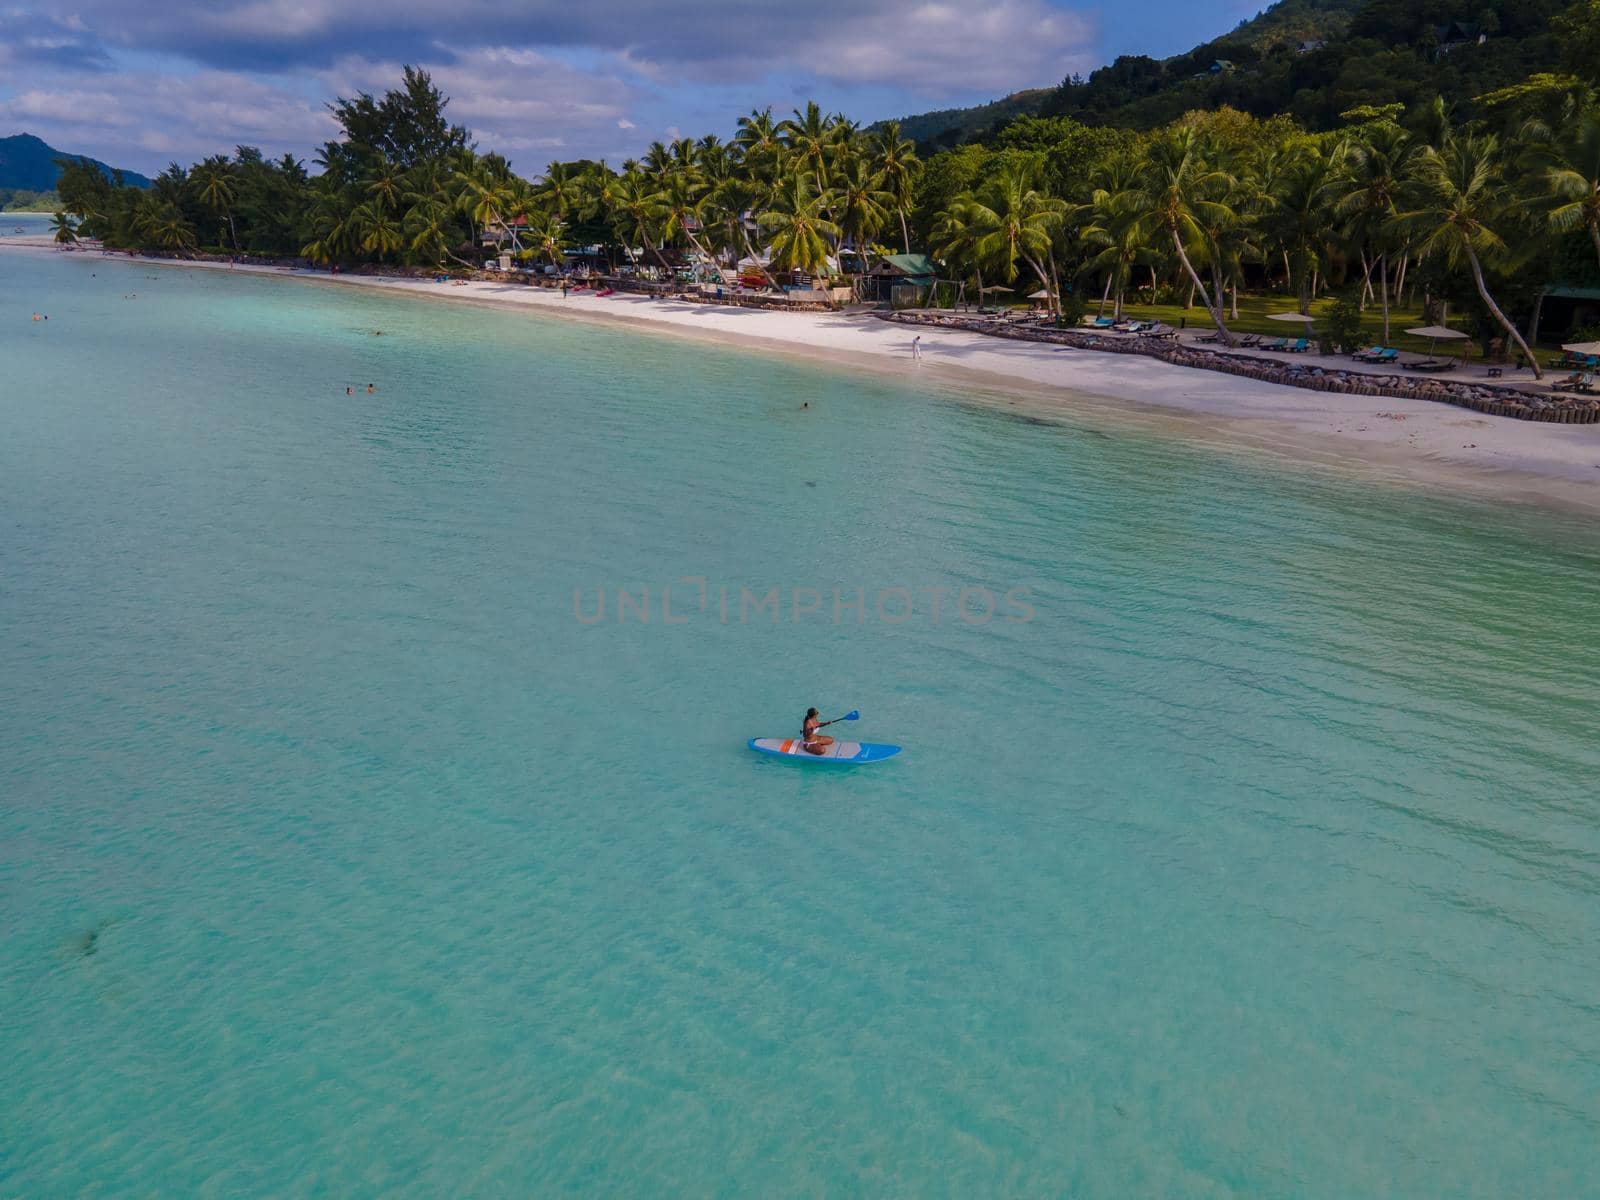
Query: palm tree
[561, 189]
[1374, 176]
[1015, 220]
[759, 144]
[213, 182]
[65, 231]
[1174, 197]
[163, 223]
[430, 225]
[1302, 207]
[387, 186]
[894, 157]
[546, 233]
[1113, 229]
[638, 208]
[802, 234]
[956, 231]
[859, 203]
[596, 196]
[737, 196]
[657, 160]
[1571, 175]
[484, 195]
[332, 228]
[683, 205]
[713, 157]
[1457, 192]
[380, 233]
[810, 136]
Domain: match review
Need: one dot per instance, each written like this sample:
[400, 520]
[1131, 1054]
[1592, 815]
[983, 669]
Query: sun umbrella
[1301, 317]
[1041, 294]
[1435, 333]
[1583, 348]
[998, 287]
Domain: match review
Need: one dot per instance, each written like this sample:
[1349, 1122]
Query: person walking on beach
[563, 288]
[916, 348]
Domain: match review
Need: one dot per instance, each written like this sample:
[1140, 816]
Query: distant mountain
[1312, 59]
[27, 163]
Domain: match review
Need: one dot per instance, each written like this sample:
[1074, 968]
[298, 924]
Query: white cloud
[539, 80]
[517, 100]
[187, 117]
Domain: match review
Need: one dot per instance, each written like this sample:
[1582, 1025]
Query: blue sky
[140, 84]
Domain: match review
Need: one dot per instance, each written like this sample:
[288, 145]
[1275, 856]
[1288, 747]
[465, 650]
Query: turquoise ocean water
[339, 857]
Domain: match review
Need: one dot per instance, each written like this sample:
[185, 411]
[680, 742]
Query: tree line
[1217, 202]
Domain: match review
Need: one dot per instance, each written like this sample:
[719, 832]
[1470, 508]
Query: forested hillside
[1308, 59]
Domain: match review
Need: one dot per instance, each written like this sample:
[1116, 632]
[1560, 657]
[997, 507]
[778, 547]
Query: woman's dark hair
[811, 712]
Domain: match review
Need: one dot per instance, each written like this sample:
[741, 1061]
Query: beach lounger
[1273, 344]
[1249, 341]
[1298, 346]
[1431, 365]
[1584, 362]
[1580, 382]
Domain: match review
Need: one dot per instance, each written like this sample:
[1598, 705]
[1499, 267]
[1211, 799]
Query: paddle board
[840, 753]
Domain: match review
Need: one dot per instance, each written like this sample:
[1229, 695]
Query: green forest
[1480, 203]
[23, 200]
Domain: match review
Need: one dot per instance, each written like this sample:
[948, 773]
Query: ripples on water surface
[337, 858]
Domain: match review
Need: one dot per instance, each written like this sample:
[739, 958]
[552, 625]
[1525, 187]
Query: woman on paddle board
[814, 742]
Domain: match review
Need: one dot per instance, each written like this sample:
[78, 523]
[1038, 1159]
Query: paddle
[852, 715]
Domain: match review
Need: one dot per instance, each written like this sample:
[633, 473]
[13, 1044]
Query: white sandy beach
[1397, 440]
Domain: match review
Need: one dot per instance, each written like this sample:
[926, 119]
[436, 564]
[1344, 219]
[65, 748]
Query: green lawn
[1253, 318]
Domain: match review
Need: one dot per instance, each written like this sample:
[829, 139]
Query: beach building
[900, 280]
[1566, 307]
[497, 233]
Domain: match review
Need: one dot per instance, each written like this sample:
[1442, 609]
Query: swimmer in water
[349, 391]
[370, 388]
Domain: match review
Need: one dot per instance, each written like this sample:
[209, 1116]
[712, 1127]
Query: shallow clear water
[339, 857]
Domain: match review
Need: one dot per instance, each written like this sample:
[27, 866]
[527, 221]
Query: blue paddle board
[840, 753]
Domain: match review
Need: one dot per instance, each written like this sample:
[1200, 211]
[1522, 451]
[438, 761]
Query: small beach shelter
[1436, 334]
[902, 279]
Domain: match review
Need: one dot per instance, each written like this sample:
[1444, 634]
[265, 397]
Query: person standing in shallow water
[916, 348]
